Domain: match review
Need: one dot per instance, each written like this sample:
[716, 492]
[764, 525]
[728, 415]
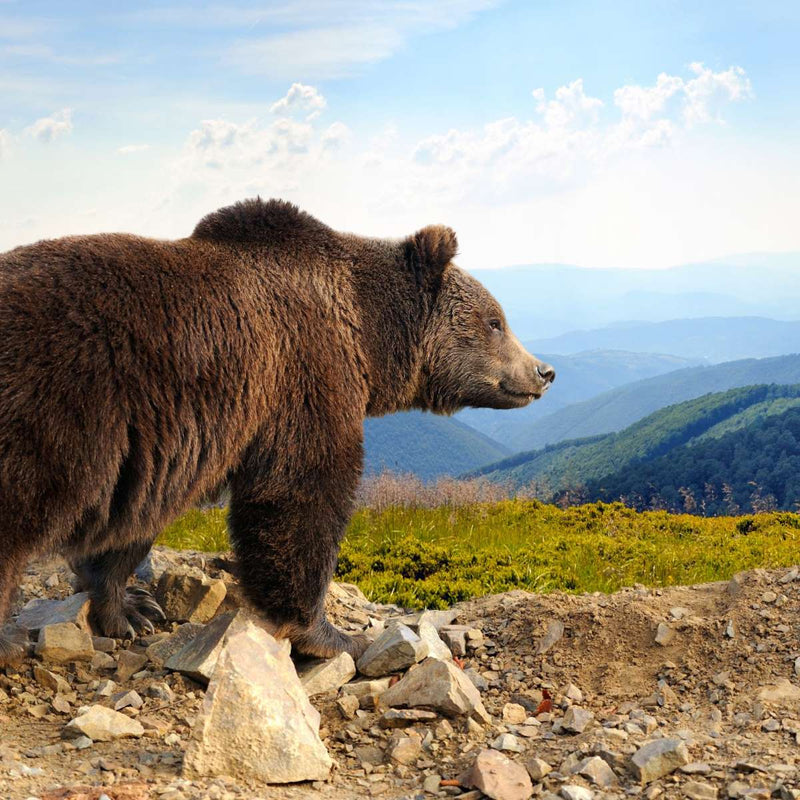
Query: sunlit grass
[436, 556]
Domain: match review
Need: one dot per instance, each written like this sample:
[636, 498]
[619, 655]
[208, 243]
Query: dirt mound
[683, 692]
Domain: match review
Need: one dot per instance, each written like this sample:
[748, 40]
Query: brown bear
[136, 374]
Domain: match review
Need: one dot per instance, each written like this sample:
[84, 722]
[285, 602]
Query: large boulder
[256, 722]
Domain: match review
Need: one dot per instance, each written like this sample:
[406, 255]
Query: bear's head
[469, 355]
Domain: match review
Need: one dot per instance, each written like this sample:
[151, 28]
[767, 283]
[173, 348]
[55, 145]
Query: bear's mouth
[527, 396]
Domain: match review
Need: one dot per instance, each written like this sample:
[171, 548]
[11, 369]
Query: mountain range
[641, 460]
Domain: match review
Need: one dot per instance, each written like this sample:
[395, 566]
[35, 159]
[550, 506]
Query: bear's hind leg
[117, 609]
[10, 570]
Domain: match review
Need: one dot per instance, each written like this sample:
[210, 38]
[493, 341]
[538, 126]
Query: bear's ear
[431, 250]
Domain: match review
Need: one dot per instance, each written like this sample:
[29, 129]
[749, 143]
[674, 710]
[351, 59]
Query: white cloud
[345, 37]
[335, 136]
[128, 149]
[48, 129]
[5, 143]
[300, 98]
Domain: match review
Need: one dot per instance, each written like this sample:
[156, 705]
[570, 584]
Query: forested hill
[426, 445]
[616, 409]
[579, 464]
[752, 468]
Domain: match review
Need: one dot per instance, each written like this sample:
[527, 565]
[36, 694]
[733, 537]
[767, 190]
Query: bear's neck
[393, 315]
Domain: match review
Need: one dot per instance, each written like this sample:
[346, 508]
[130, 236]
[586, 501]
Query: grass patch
[433, 557]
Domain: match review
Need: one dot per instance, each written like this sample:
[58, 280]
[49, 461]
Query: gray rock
[554, 632]
[658, 758]
[498, 777]
[436, 647]
[537, 768]
[573, 792]
[596, 770]
[781, 692]
[664, 634]
[37, 614]
[128, 664]
[455, 639]
[129, 699]
[397, 648]
[576, 719]
[402, 718]
[348, 705]
[507, 742]
[439, 685]
[696, 790]
[326, 675]
[404, 749]
[64, 642]
[187, 595]
[102, 724]
[256, 722]
[198, 657]
[437, 618]
[161, 651]
[152, 567]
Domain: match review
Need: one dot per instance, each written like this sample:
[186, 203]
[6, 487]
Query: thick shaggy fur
[136, 375]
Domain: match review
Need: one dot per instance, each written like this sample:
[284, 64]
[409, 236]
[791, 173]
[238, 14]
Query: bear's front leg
[286, 530]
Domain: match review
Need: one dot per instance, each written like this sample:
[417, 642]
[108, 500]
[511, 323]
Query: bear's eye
[496, 325]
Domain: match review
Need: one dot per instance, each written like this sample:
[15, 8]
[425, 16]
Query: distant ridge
[426, 445]
[620, 407]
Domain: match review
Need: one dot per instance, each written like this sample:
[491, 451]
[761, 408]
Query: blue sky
[604, 134]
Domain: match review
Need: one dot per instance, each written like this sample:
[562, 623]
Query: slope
[578, 462]
[620, 407]
[427, 445]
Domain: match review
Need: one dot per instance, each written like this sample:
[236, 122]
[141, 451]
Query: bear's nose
[546, 373]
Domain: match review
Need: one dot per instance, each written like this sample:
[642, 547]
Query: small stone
[103, 661]
[128, 664]
[507, 742]
[572, 791]
[679, 612]
[256, 722]
[598, 772]
[129, 699]
[436, 647]
[514, 714]
[431, 784]
[664, 634]
[402, 718]
[49, 680]
[64, 642]
[104, 644]
[161, 691]
[695, 790]
[102, 724]
[497, 777]
[348, 705]
[576, 719]
[326, 675]
[573, 693]
[554, 632]
[439, 685]
[106, 688]
[769, 597]
[443, 730]
[797, 667]
[397, 648]
[188, 595]
[478, 681]
[780, 692]
[404, 749]
[658, 758]
[730, 630]
[39, 613]
[455, 639]
[537, 768]
[61, 704]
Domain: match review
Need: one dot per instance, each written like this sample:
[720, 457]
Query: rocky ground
[688, 692]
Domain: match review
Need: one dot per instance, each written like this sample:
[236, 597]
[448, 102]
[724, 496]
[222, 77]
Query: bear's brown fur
[135, 375]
